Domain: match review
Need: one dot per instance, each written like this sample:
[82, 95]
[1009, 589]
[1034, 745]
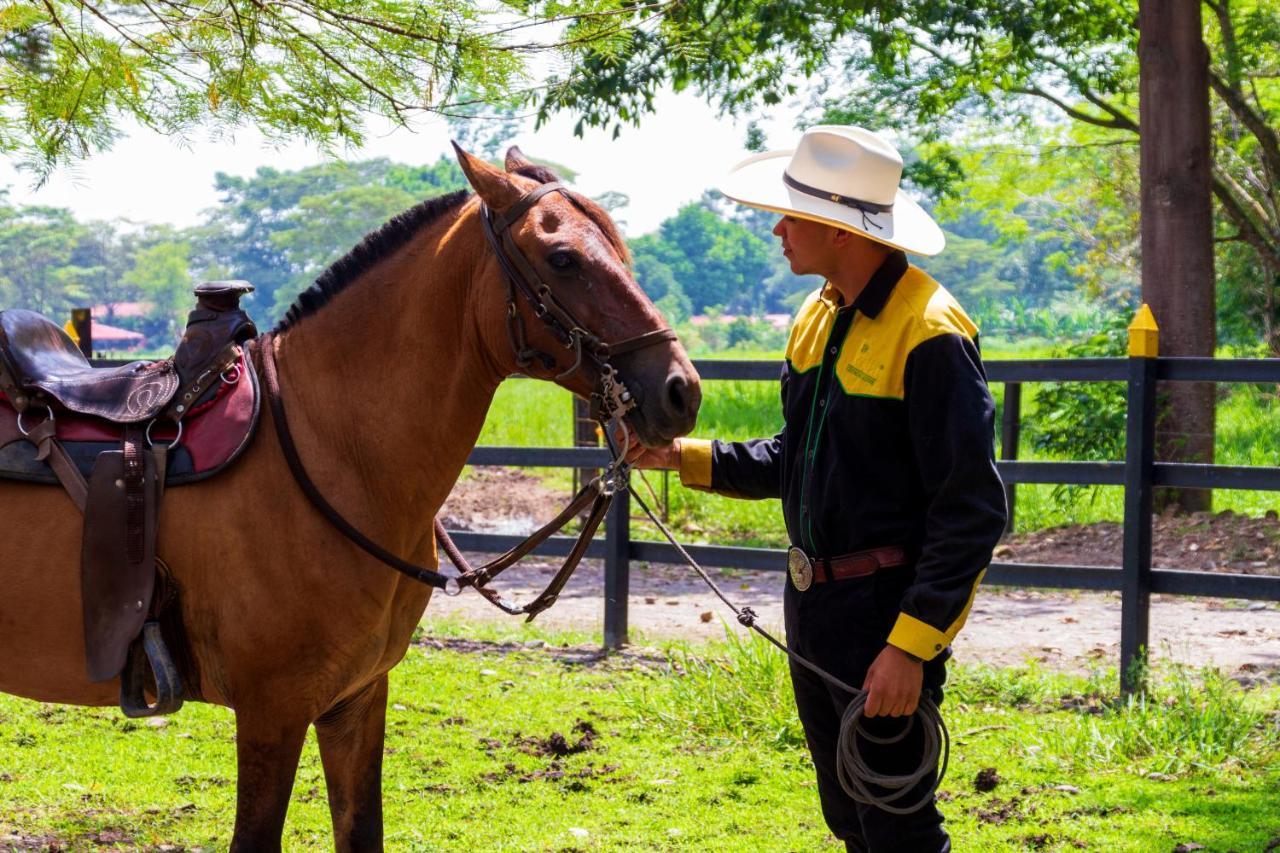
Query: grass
[695, 748]
[538, 414]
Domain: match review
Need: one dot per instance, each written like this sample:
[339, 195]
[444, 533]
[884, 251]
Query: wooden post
[1139, 456]
[617, 570]
[1010, 430]
[584, 435]
[82, 325]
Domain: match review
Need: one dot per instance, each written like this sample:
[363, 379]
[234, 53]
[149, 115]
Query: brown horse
[388, 366]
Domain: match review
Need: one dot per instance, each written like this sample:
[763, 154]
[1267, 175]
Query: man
[884, 464]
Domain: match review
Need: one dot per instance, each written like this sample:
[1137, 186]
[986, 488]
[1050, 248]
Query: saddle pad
[215, 433]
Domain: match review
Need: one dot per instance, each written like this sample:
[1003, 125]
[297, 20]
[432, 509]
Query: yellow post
[1144, 334]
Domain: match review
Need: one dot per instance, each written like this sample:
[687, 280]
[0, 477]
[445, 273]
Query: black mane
[375, 246]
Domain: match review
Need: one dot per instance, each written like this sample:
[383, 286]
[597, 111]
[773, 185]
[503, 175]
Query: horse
[388, 365]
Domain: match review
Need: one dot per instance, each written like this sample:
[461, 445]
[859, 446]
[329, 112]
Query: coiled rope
[857, 777]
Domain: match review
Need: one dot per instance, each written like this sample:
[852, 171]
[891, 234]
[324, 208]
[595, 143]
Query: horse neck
[388, 385]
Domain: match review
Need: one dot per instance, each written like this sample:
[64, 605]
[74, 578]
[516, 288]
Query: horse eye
[562, 261]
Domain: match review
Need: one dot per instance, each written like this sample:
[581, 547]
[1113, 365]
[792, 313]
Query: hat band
[863, 207]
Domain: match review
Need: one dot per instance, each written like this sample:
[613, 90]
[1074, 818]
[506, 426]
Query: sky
[677, 153]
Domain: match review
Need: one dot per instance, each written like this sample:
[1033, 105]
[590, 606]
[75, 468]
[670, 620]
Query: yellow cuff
[918, 638]
[695, 463]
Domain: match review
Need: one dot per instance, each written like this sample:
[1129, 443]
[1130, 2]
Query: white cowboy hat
[838, 175]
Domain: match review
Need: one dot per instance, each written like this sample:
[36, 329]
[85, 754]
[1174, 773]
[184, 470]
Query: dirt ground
[1068, 630]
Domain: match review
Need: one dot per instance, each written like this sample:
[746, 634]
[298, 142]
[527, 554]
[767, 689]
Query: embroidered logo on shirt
[867, 369]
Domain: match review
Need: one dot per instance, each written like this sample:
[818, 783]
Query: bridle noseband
[610, 402]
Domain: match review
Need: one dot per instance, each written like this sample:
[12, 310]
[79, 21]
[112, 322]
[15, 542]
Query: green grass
[696, 749]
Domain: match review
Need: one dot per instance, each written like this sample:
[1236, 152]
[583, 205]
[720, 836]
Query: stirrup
[159, 665]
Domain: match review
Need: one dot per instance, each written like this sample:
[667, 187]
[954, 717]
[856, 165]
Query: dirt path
[1061, 630]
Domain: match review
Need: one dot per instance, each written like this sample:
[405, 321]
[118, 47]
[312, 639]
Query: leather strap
[858, 564]
[271, 381]
[594, 493]
[49, 449]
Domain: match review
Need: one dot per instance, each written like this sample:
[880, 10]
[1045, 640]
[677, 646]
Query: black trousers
[842, 626]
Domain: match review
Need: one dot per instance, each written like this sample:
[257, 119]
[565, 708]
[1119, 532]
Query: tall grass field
[531, 742]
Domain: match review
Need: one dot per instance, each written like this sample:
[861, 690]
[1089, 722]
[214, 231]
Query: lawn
[688, 748]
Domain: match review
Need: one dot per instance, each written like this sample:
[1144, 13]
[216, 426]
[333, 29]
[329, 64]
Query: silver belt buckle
[800, 568]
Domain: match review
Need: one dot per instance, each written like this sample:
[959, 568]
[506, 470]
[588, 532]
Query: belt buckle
[800, 567]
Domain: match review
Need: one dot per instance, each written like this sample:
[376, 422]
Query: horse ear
[494, 186]
[516, 160]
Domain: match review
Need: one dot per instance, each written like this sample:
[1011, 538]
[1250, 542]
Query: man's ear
[494, 186]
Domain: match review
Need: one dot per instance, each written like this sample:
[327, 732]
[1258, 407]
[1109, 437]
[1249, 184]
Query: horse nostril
[677, 394]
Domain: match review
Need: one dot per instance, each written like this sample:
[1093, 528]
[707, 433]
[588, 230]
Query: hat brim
[757, 182]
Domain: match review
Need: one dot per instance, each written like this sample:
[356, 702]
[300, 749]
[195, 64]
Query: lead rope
[856, 777]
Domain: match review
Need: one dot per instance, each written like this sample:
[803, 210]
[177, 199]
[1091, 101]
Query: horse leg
[351, 737]
[267, 752]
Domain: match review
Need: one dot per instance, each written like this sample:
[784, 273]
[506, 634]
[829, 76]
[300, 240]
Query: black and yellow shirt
[887, 440]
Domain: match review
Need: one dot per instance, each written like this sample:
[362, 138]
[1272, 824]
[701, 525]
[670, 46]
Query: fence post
[1139, 456]
[617, 570]
[584, 435]
[1010, 430]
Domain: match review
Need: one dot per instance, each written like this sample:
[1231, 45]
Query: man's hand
[639, 456]
[893, 684]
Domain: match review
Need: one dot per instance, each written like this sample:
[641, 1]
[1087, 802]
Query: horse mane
[374, 247]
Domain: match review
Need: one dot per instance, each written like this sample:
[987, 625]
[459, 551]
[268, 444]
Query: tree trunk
[1177, 223]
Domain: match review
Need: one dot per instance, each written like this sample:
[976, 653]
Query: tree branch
[1250, 231]
[1268, 139]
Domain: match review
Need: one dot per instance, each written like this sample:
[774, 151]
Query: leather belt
[806, 571]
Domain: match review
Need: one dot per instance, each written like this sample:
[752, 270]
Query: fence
[1139, 474]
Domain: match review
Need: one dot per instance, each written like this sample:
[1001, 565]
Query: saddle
[115, 439]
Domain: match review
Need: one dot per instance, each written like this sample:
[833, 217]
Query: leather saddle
[115, 439]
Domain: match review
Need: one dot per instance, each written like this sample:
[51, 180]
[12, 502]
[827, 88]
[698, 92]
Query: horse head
[573, 312]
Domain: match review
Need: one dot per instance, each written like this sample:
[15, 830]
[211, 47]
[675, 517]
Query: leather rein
[610, 403]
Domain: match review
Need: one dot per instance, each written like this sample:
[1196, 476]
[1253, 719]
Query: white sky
[679, 151]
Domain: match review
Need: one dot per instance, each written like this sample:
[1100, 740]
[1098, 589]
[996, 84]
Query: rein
[610, 402]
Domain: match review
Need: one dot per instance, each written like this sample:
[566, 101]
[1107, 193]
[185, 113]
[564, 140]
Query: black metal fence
[1138, 474]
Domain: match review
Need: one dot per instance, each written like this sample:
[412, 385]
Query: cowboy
[884, 464]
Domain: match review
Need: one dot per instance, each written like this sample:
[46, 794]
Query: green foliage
[73, 72]
[279, 229]
[717, 263]
[1082, 420]
[161, 275]
[40, 250]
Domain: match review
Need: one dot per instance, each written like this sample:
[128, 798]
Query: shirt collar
[872, 299]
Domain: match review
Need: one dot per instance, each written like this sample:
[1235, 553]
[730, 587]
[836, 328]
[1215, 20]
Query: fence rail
[1138, 474]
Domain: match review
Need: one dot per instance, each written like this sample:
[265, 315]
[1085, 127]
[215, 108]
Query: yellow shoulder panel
[873, 361]
[809, 332]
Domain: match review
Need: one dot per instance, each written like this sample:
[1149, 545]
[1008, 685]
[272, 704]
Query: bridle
[610, 402]
[522, 278]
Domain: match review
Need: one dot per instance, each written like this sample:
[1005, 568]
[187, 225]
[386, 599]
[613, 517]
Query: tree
[72, 70]
[277, 229]
[39, 245]
[161, 274]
